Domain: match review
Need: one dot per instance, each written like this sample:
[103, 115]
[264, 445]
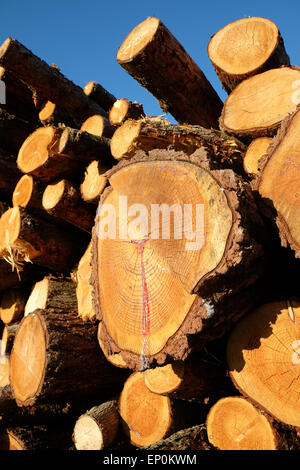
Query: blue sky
[82, 37]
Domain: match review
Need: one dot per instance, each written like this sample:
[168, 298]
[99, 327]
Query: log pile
[149, 271]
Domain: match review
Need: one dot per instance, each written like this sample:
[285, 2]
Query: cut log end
[28, 363]
[87, 434]
[263, 359]
[47, 111]
[53, 194]
[124, 109]
[94, 125]
[23, 191]
[256, 150]
[233, 423]
[94, 183]
[146, 416]
[137, 39]
[124, 137]
[166, 379]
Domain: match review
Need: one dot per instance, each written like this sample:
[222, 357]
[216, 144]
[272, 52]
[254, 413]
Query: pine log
[189, 439]
[256, 150]
[84, 288]
[234, 423]
[51, 292]
[19, 98]
[48, 82]
[85, 146]
[148, 134]
[263, 359]
[56, 355]
[63, 200]
[47, 165]
[245, 48]
[93, 183]
[36, 438]
[25, 238]
[188, 379]
[12, 305]
[258, 105]
[13, 131]
[124, 109]
[278, 182]
[154, 57]
[53, 115]
[147, 417]
[98, 125]
[98, 94]
[139, 265]
[97, 428]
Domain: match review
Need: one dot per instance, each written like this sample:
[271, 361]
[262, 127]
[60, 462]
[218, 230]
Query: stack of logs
[181, 331]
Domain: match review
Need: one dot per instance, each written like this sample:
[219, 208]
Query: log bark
[258, 105]
[25, 238]
[147, 417]
[48, 82]
[19, 98]
[56, 355]
[143, 249]
[8, 337]
[9, 174]
[85, 147]
[36, 438]
[152, 55]
[124, 109]
[278, 183]
[256, 150]
[97, 428]
[149, 134]
[11, 277]
[234, 423]
[258, 47]
[98, 94]
[47, 165]
[93, 183]
[51, 292]
[189, 439]
[114, 358]
[262, 357]
[13, 131]
[98, 125]
[12, 305]
[63, 200]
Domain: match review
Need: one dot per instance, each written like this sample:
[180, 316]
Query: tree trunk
[258, 47]
[124, 109]
[56, 355]
[47, 165]
[234, 423]
[98, 125]
[25, 238]
[97, 428]
[85, 147]
[278, 183]
[257, 106]
[158, 261]
[12, 305]
[148, 134]
[63, 200]
[51, 292]
[47, 81]
[18, 97]
[98, 94]
[93, 183]
[256, 150]
[262, 356]
[152, 55]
